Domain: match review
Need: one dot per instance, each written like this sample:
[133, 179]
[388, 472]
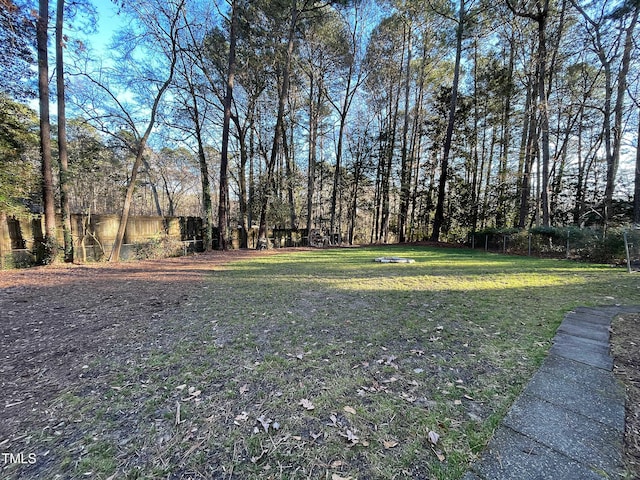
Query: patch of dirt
[56, 319]
[625, 344]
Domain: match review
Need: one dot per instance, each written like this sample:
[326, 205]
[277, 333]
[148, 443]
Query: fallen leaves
[389, 360]
[434, 438]
[351, 437]
[349, 424]
[306, 404]
[243, 417]
[374, 387]
[334, 421]
[388, 444]
[350, 410]
[440, 455]
[192, 393]
[265, 422]
[335, 476]
[299, 355]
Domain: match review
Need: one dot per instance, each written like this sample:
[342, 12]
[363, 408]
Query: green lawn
[359, 365]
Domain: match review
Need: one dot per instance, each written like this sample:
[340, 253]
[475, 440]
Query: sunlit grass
[462, 282]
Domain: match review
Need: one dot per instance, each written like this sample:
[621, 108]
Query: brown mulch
[625, 345]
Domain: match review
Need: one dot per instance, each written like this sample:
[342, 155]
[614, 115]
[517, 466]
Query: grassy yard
[324, 364]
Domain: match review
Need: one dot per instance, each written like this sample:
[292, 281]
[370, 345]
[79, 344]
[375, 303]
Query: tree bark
[314, 113]
[205, 186]
[540, 17]
[389, 145]
[242, 183]
[405, 166]
[277, 136]
[442, 183]
[636, 190]
[544, 109]
[62, 136]
[501, 210]
[289, 158]
[618, 111]
[48, 200]
[343, 122]
[223, 214]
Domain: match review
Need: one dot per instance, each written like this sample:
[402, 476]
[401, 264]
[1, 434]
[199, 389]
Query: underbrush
[162, 246]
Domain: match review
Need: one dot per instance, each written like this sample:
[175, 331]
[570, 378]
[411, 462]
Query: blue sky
[108, 23]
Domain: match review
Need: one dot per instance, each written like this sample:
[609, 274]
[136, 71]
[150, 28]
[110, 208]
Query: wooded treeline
[383, 121]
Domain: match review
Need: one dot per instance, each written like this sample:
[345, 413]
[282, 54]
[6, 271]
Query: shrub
[158, 247]
[599, 249]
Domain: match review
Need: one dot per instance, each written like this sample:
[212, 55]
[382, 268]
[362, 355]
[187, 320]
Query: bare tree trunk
[242, 185]
[344, 110]
[154, 191]
[442, 184]
[476, 177]
[523, 177]
[636, 190]
[290, 173]
[314, 112]
[386, 171]
[207, 224]
[618, 112]
[501, 210]
[544, 110]
[353, 207]
[488, 181]
[223, 214]
[62, 137]
[540, 17]
[531, 153]
[277, 136]
[416, 144]
[581, 161]
[375, 226]
[48, 199]
[405, 168]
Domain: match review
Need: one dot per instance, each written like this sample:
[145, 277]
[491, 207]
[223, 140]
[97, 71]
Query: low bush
[158, 247]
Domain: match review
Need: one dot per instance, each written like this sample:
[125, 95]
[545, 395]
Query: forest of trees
[381, 121]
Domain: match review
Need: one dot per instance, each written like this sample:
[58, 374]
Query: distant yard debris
[394, 260]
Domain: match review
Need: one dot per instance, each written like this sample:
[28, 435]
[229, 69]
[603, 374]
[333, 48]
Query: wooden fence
[93, 235]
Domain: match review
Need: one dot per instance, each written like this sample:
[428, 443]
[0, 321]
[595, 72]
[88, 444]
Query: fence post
[486, 242]
[568, 233]
[529, 238]
[504, 244]
[626, 248]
